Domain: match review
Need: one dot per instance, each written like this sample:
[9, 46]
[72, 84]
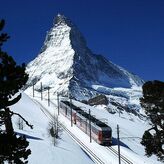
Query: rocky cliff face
[66, 64]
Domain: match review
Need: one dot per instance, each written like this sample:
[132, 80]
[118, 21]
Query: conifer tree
[13, 148]
[153, 104]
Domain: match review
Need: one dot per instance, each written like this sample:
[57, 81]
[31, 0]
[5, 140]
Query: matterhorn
[67, 66]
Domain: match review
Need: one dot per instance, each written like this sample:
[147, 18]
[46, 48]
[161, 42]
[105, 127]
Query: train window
[106, 134]
[94, 130]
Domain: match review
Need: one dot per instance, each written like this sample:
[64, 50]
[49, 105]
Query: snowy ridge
[67, 65]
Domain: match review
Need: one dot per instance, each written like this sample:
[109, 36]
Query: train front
[105, 136]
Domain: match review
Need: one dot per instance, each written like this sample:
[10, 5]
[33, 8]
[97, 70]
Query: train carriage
[65, 109]
[100, 132]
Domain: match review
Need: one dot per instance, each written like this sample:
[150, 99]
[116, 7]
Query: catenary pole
[33, 90]
[58, 102]
[118, 142]
[71, 109]
[90, 126]
[48, 96]
[41, 91]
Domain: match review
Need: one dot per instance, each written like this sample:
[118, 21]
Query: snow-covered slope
[66, 150]
[66, 64]
[42, 149]
[131, 129]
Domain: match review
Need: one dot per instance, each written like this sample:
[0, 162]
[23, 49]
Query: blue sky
[130, 33]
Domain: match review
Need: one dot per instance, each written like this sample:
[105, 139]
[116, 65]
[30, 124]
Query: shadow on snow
[28, 136]
[114, 142]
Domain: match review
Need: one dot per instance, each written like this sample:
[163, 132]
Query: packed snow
[131, 130]
[41, 145]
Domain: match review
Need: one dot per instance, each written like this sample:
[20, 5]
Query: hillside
[131, 130]
[41, 144]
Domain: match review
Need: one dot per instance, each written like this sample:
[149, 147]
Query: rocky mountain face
[67, 65]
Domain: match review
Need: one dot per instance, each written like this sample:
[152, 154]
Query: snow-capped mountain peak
[66, 64]
[61, 19]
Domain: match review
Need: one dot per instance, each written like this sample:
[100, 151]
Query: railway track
[123, 158]
[115, 152]
[94, 157]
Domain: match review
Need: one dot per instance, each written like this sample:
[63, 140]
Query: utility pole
[41, 91]
[57, 127]
[58, 102]
[86, 125]
[33, 89]
[48, 96]
[118, 142]
[90, 126]
[71, 110]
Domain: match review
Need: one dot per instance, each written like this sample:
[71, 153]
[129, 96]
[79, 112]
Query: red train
[100, 132]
